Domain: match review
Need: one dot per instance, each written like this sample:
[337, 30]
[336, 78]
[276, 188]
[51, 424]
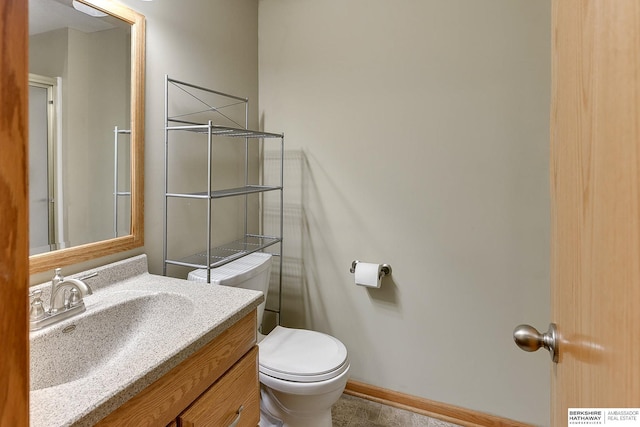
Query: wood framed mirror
[77, 251]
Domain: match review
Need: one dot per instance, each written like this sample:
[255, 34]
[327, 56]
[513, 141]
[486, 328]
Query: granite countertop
[177, 318]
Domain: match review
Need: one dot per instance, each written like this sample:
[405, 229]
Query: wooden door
[14, 238]
[595, 213]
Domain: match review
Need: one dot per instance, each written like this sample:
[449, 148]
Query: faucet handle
[36, 311]
[74, 297]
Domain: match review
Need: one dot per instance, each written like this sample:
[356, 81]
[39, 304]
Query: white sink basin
[111, 331]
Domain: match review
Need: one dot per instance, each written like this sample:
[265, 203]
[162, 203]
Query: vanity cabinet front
[216, 386]
[234, 400]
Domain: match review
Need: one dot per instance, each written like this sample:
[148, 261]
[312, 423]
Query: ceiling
[49, 15]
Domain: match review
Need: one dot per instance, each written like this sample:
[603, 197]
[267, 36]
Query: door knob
[529, 339]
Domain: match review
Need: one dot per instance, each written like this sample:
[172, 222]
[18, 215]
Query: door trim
[14, 216]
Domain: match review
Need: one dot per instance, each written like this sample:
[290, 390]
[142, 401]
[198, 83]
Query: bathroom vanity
[216, 386]
[149, 351]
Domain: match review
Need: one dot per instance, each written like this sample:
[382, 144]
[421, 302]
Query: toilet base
[274, 414]
[268, 420]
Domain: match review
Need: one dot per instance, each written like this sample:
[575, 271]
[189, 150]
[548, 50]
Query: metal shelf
[212, 115]
[224, 254]
[229, 192]
[218, 130]
[117, 193]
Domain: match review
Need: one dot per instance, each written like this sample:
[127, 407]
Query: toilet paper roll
[368, 274]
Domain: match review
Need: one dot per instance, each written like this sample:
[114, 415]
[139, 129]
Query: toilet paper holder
[385, 269]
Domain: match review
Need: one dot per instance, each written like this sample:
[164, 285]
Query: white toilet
[302, 373]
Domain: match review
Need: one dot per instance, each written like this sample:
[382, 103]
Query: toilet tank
[249, 272]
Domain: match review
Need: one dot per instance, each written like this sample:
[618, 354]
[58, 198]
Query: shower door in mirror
[43, 200]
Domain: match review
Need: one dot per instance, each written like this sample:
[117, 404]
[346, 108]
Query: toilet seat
[300, 355]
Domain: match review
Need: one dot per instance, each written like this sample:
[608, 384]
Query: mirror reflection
[79, 125]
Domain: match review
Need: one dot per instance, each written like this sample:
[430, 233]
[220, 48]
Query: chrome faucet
[60, 308]
[75, 286]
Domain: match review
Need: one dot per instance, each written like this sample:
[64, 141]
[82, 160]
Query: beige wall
[417, 135]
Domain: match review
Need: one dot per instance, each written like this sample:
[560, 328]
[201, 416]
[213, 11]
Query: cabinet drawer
[218, 406]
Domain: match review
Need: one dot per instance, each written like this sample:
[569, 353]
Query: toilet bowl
[302, 373]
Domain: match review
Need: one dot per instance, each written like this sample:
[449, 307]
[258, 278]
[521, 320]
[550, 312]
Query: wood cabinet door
[234, 397]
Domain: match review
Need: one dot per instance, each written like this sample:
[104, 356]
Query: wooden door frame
[14, 218]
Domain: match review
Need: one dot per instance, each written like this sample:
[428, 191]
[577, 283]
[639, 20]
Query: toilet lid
[301, 355]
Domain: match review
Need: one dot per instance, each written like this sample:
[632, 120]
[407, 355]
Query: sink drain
[69, 329]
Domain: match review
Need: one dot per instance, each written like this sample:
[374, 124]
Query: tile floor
[352, 411]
